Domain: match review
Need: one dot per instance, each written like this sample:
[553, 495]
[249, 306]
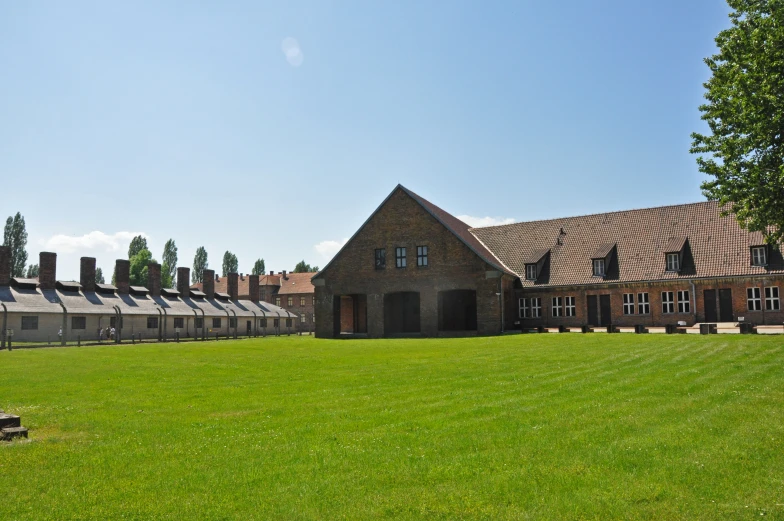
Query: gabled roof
[719, 246]
[603, 250]
[458, 228]
[675, 245]
[296, 283]
[535, 256]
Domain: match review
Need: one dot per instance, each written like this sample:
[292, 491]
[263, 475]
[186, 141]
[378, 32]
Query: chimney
[122, 276]
[242, 277]
[87, 274]
[47, 270]
[234, 290]
[272, 272]
[209, 283]
[217, 278]
[154, 279]
[284, 275]
[5, 265]
[253, 288]
[184, 281]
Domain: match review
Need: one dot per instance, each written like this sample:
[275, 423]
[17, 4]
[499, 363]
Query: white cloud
[92, 241]
[477, 222]
[328, 249]
[292, 51]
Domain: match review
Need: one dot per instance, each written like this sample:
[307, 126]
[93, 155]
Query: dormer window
[759, 256]
[530, 271]
[673, 262]
[598, 268]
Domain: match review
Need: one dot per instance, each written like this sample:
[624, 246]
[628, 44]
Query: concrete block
[9, 420]
[13, 432]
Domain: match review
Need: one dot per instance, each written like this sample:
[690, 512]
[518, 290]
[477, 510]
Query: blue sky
[274, 129]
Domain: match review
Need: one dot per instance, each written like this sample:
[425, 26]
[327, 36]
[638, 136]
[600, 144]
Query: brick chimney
[87, 274]
[47, 270]
[184, 281]
[233, 286]
[253, 288]
[284, 274]
[272, 272]
[122, 276]
[154, 279]
[5, 265]
[208, 276]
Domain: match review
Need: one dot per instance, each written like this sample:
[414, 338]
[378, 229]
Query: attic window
[169, 292]
[759, 256]
[105, 288]
[673, 262]
[67, 285]
[598, 268]
[139, 290]
[530, 271]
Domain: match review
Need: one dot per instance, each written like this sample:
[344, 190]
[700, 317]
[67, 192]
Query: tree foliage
[138, 244]
[32, 271]
[303, 267]
[258, 267]
[99, 276]
[199, 265]
[230, 263]
[15, 236]
[169, 268]
[744, 152]
[139, 267]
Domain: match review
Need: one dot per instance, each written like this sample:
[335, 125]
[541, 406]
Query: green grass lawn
[519, 427]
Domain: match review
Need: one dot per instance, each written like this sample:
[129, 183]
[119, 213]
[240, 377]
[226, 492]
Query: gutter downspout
[65, 321]
[235, 323]
[694, 299]
[5, 324]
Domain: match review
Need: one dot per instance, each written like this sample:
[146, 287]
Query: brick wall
[47, 270]
[5, 265]
[154, 279]
[208, 278]
[122, 276]
[184, 281]
[87, 274]
[402, 222]
[253, 288]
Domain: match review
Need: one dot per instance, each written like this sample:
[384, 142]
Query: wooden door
[593, 311]
[725, 306]
[604, 307]
[711, 314]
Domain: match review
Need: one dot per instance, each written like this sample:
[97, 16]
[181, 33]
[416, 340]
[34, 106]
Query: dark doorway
[401, 313]
[725, 306]
[457, 310]
[249, 325]
[350, 314]
[711, 314]
[604, 305]
[593, 311]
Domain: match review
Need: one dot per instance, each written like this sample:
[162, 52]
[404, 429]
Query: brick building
[414, 269]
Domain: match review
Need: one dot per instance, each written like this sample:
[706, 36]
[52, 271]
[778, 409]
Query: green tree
[199, 265]
[230, 263]
[138, 244]
[99, 276]
[169, 268]
[303, 267]
[258, 267]
[15, 236]
[32, 271]
[139, 267]
[744, 152]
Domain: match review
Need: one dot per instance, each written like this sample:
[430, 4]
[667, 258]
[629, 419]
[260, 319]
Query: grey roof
[30, 300]
[222, 295]
[197, 293]
[170, 292]
[106, 287]
[69, 285]
[21, 281]
[139, 289]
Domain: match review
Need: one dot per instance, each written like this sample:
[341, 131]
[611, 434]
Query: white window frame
[643, 304]
[628, 303]
[557, 307]
[598, 268]
[673, 262]
[400, 257]
[422, 256]
[536, 307]
[684, 302]
[753, 299]
[525, 310]
[772, 302]
[668, 302]
[570, 309]
[530, 271]
[759, 256]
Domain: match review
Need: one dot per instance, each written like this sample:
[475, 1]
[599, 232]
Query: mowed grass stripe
[529, 426]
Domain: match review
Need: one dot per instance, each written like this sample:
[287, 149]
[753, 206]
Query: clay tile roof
[674, 245]
[296, 283]
[718, 245]
[603, 250]
[269, 280]
[536, 256]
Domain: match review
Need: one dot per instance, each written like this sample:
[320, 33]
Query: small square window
[530, 271]
[643, 304]
[772, 302]
[598, 268]
[668, 302]
[152, 322]
[199, 323]
[216, 323]
[557, 306]
[263, 322]
[277, 301]
[753, 300]
[381, 259]
[673, 262]
[570, 309]
[759, 256]
[179, 323]
[684, 304]
[301, 301]
[302, 318]
[628, 303]
[29, 323]
[400, 257]
[78, 322]
[422, 256]
[290, 301]
[233, 323]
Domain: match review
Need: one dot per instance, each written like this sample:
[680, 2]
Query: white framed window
[557, 306]
[628, 303]
[570, 310]
[772, 302]
[673, 262]
[525, 310]
[421, 256]
[753, 300]
[759, 256]
[302, 318]
[668, 302]
[536, 307]
[400, 257]
[598, 267]
[643, 304]
[684, 304]
[530, 271]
